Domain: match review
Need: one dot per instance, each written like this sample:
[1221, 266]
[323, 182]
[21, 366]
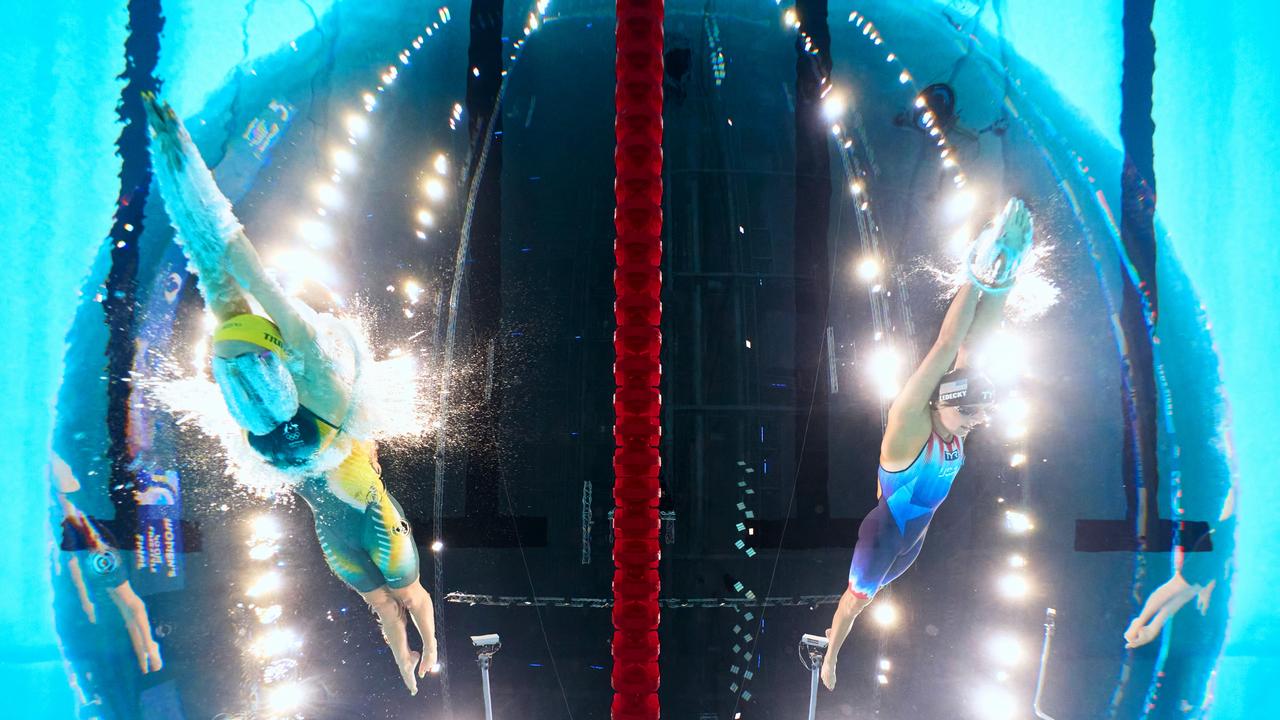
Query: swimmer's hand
[1016, 230]
[170, 138]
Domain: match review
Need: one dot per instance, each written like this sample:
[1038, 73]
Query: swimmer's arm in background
[82, 590]
[908, 420]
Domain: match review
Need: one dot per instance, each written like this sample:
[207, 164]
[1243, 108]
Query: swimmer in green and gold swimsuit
[286, 393]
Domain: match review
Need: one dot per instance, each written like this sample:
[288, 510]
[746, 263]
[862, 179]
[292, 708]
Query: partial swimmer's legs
[851, 605]
[906, 558]
[394, 630]
[417, 602]
[882, 553]
[1164, 602]
[136, 622]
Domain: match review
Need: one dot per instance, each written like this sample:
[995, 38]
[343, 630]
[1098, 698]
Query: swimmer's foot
[828, 672]
[1203, 595]
[1140, 633]
[406, 672]
[428, 662]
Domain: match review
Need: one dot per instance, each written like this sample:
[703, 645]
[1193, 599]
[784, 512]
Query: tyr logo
[951, 455]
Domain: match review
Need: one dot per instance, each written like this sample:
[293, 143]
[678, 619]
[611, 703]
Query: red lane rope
[637, 344]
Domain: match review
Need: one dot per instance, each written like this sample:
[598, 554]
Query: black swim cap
[965, 387]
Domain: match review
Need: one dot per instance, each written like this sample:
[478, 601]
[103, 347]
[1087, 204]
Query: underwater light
[441, 164]
[1014, 587]
[286, 697]
[316, 233]
[413, 290]
[1005, 649]
[433, 188]
[961, 204]
[1005, 358]
[834, 105]
[885, 614]
[357, 125]
[1017, 522]
[298, 265]
[993, 703]
[869, 269]
[329, 195]
[344, 160]
[885, 368]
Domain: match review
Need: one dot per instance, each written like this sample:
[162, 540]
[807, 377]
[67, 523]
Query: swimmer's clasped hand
[997, 259]
[167, 130]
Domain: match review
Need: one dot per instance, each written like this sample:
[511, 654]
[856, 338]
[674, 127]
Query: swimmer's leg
[391, 617]
[134, 613]
[1163, 603]
[879, 545]
[905, 559]
[417, 602]
[388, 538]
[354, 567]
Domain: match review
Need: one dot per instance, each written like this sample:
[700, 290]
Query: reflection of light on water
[265, 528]
[276, 642]
[262, 551]
[268, 615]
[267, 583]
[286, 697]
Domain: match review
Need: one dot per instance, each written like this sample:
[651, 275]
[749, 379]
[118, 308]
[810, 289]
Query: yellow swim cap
[253, 329]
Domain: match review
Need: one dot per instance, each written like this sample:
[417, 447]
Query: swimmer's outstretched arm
[908, 416]
[1015, 230]
[212, 238]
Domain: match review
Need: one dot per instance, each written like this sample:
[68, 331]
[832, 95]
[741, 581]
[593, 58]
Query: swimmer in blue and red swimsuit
[923, 446]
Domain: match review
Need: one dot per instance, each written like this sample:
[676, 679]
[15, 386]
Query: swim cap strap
[253, 329]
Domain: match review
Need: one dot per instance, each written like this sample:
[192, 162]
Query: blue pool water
[1215, 150]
